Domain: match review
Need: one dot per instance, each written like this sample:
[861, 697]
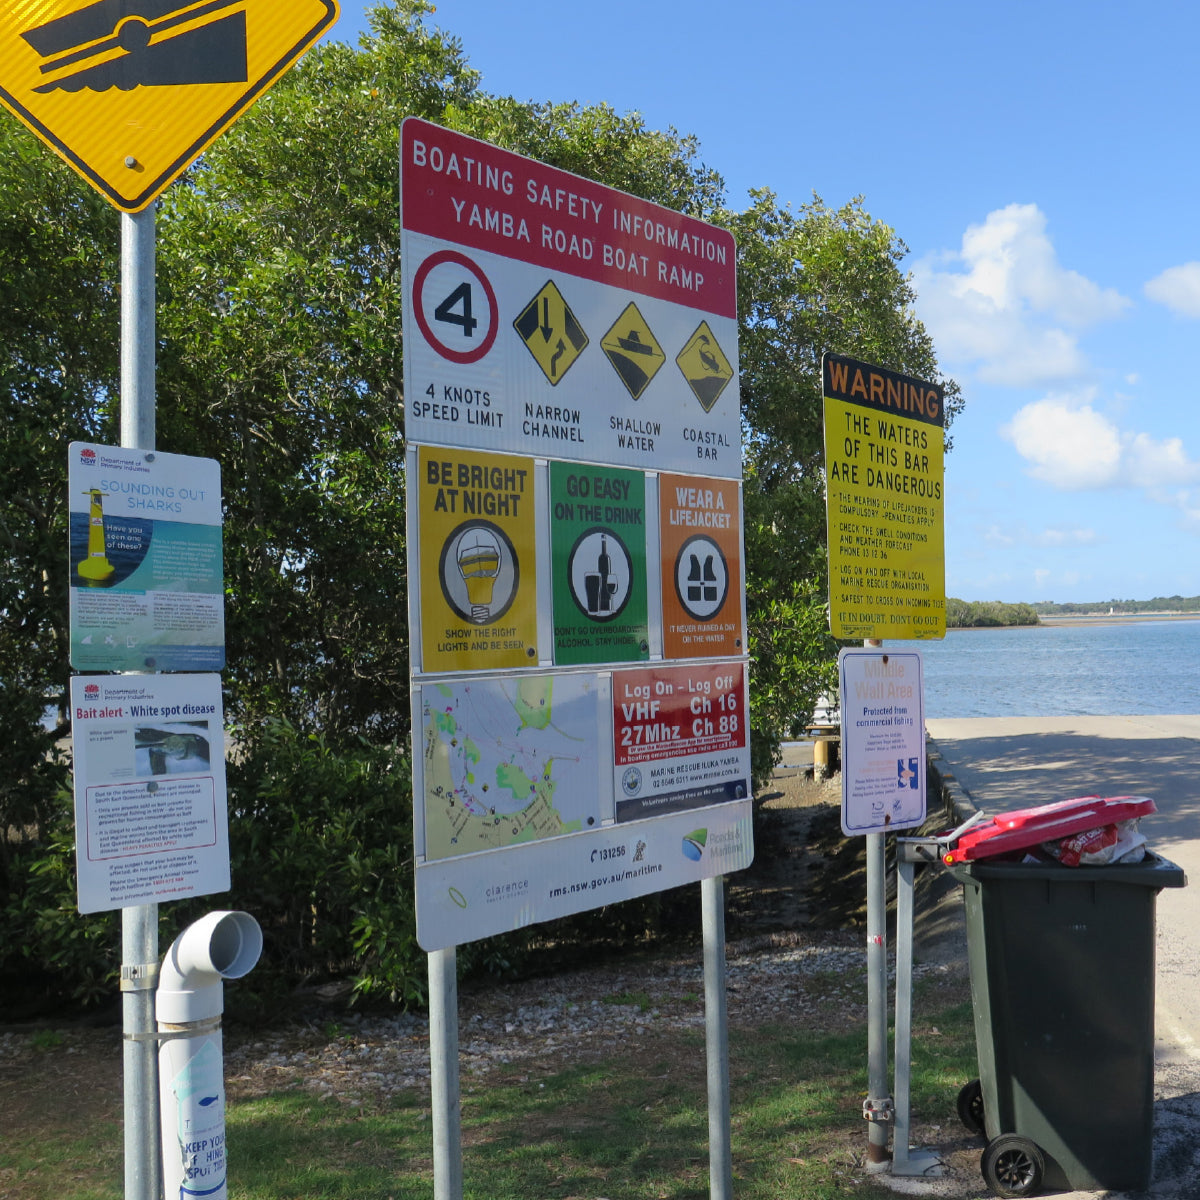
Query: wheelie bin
[1062, 986]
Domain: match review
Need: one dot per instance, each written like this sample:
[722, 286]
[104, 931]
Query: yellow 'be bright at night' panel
[130, 92]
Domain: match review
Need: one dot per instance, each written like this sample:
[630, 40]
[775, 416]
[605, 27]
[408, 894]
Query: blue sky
[1040, 162]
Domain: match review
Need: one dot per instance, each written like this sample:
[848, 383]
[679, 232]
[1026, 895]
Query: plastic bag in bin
[1008, 834]
[1117, 843]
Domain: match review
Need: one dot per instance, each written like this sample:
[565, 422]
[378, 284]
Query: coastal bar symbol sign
[131, 92]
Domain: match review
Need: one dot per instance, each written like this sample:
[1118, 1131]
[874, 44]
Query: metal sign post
[139, 926]
[575, 521]
[884, 521]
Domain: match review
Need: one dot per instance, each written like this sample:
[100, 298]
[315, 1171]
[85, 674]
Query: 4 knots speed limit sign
[455, 306]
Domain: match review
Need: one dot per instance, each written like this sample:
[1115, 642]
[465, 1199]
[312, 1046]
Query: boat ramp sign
[559, 317]
[131, 92]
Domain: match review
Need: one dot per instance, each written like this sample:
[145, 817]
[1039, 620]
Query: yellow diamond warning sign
[704, 366]
[551, 332]
[633, 350]
[130, 92]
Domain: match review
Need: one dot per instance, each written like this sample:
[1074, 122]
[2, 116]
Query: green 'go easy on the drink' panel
[598, 524]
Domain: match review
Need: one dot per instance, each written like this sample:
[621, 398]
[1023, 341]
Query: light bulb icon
[95, 568]
[479, 565]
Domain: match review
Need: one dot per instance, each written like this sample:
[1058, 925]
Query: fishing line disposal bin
[1062, 986]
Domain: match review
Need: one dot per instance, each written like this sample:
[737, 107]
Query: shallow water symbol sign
[131, 92]
[633, 351]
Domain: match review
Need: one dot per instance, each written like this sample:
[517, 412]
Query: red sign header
[469, 192]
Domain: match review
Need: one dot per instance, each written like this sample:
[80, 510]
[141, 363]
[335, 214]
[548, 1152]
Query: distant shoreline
[1116, 618]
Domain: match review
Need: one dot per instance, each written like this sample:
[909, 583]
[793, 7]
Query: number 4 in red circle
[455, 306]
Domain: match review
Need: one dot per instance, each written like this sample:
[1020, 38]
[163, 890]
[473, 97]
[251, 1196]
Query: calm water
[1063, 670]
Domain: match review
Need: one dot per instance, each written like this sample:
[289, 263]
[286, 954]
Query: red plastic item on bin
[1025, 827]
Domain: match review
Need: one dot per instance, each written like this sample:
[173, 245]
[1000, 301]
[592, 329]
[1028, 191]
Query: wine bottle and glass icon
[600, 585]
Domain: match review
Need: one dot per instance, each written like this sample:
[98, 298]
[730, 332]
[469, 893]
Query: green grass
[634, 1127]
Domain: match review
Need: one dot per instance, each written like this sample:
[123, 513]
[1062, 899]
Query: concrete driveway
[1014, 762]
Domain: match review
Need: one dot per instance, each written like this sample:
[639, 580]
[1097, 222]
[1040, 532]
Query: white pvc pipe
[190, 1000]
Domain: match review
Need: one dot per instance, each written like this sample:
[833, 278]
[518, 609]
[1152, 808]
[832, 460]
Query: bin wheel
[970, 1106]
[1013, 1166]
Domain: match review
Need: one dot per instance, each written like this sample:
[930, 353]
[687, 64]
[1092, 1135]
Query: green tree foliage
[280, 355]
[810, 281]
[58, 329]
[978, 614]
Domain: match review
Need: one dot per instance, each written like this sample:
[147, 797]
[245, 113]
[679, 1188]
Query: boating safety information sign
[882, 699]
[150, 798]
[577, 600]
[550, 315]
[884, 478]
[147, 585]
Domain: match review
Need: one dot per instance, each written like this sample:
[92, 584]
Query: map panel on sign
[509, 761]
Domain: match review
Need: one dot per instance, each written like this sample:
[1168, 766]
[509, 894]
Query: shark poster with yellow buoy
[146, 571]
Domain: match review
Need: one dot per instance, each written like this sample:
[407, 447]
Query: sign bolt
[131, 162]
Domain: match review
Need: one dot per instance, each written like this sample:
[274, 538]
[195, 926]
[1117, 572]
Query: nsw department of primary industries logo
[694, 843]
[87, 457]
[91, 692]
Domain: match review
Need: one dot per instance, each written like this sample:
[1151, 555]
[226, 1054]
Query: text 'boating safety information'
[885, 508]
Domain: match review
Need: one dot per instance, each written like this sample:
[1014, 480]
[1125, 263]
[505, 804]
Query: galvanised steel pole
[879, 1103]
[139, 925]
[443, 1071]
[716, 1036]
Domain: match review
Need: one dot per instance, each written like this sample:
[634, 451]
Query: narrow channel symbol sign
[704, 366]
[633, 351]
[551, 332]
[131, 92]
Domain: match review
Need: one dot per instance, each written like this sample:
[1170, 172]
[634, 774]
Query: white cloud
[1070, 445]
[1005, 306]
[1178, 288]
[1066, 537]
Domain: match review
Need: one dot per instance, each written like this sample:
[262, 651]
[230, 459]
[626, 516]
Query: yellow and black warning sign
[704, 366]
[551, 332]
[129, 92]
[884, 474]
[633, 350]
[478, 572]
